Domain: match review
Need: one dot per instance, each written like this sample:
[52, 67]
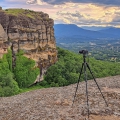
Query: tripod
[85, 65]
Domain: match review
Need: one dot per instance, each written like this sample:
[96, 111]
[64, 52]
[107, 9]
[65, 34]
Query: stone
[14, 36]
[44, 36]
[39, 27]
[48, 37]
[24, 36]
[43, 28]
[0, 8]
[3, 35]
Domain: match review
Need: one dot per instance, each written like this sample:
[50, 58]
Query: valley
[102, 44]
[103, 49]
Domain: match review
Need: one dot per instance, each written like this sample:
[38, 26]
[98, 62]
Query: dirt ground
[56, 103]
[110, 117]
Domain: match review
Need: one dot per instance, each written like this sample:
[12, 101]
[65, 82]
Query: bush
[23, 74]
[8, 86]
[24, 71]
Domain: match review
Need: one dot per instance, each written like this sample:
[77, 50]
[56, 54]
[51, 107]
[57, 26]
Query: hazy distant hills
[71, 33]
[112, 31]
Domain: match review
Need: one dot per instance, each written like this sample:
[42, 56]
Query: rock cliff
[29, 31]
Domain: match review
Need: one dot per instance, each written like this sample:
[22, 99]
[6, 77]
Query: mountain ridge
[111, 30]
[71, 30]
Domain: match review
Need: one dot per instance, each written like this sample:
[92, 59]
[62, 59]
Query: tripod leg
[85, 78]
[78, 83]
[97, 84]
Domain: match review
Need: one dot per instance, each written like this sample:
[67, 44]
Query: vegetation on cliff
[14, 11]
[8, 86]
[23, 12]
[12, 81]
[24, 71]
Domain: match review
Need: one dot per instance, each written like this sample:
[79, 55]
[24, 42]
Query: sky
[100, 13]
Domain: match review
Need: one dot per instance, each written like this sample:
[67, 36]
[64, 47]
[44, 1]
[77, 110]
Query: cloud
[105, 2]
[39, 2]
[14, 1]
[31, 1]
[88, 14]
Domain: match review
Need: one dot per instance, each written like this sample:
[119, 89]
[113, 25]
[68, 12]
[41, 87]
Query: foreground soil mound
[56, 103]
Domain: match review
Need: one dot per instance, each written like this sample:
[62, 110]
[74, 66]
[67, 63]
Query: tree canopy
[11, 80]
[66, 71]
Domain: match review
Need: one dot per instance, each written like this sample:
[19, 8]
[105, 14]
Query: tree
[8, 86]
[24, 73]
[9, 59]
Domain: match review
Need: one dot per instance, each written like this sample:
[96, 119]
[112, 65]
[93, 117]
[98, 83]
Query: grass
[35, 87]
[24, 12]
[23, 90]
[14, 11]
[30, 16]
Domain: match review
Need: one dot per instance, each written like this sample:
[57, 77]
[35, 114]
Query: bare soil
[56, 103]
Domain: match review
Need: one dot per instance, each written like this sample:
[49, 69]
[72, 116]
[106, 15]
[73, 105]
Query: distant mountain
[112, 30]
[65, 31]
[69, 30]
[94, 28]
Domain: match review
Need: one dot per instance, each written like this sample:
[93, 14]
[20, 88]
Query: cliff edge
[30, 31]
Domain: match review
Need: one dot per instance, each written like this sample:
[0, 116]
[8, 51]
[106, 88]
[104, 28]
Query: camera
[83, 52]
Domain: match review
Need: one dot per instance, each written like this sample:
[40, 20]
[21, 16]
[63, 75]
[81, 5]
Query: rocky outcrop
[0, 8]
[31, 32]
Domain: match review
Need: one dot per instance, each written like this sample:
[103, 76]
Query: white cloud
[87, 14]
[31, 1]
[40, 2]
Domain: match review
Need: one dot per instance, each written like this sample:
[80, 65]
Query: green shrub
[24, 73]
[8, 86]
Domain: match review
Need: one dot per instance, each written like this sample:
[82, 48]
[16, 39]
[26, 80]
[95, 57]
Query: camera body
[83, 52]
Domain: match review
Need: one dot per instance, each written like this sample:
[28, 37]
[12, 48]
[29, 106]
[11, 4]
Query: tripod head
[84, 52]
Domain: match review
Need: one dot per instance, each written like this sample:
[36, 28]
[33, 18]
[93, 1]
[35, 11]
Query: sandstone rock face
[31, 32]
